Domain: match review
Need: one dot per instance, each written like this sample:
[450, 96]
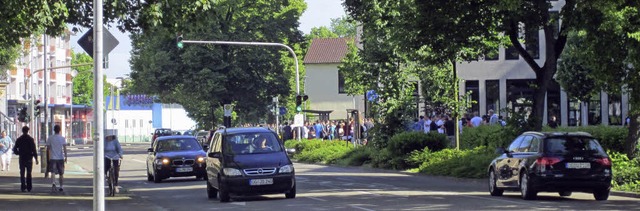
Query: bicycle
[111, 179]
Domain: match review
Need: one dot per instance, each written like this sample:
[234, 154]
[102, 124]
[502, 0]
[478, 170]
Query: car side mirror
[291, 151]
[205, 147]
[501, 150]
[150, 150]
[214, 154]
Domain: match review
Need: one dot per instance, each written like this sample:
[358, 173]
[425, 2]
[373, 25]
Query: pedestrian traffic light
[23, 116]
[299, 100]
[179, 42]
[36, 108]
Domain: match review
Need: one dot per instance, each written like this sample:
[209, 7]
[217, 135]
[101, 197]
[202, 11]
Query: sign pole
[98, 107]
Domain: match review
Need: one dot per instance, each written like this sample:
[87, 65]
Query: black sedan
[175, 156]
[552, 162]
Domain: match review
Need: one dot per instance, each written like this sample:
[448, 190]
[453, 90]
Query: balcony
[13, 72]
[68, 54]
[52, 77]
[27, 72]
[52, 49]
[69, 78]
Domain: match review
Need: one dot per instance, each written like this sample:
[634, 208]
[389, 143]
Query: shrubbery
[450, 162]
[319, 151]
[610, 137]
[626, 173]
[485, 135]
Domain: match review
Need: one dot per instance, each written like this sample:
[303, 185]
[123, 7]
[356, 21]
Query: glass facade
[492, 88]
[520, 95]
[474, 88]
[615, 109]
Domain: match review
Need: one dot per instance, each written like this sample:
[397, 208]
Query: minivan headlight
[286, 169]
[231, 172]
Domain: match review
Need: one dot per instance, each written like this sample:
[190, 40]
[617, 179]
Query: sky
[318, 13]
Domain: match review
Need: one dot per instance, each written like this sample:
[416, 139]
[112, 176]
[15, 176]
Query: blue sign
[371, 95]
[283, 111]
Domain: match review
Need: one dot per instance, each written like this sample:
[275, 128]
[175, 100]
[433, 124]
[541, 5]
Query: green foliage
[8, 57]
[458, 163]
[204, 77]
[574, 75]
[83, 82]
[404, 143]
[626, 172]
[490, 136]
[343, 26]
[321, 32]
[611, 138]
[358, 156]
[317, 151]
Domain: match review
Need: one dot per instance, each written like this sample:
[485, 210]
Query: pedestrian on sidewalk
[5, 149]
[26, 148]
[57, 147]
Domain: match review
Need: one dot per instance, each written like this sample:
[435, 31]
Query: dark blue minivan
[248, 161]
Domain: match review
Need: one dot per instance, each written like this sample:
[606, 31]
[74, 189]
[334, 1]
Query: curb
[625, 194]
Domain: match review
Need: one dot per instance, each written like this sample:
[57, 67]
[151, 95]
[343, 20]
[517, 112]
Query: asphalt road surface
[337, 188]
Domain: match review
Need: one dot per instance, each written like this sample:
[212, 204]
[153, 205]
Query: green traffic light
[299, 108]
[180, 45]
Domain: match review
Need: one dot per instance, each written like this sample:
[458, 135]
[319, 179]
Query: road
[333, 188]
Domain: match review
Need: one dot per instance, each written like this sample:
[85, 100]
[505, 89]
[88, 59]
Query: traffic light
[23, 116]
[299, 100]
[36, 108]
[179, 42]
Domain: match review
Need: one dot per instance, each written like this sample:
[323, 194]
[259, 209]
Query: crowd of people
[328, 130]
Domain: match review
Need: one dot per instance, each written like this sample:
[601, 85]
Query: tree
[83, 82]
[452, 31]
[610, 49]
[321, 32]
[204, 77]
[343, 26]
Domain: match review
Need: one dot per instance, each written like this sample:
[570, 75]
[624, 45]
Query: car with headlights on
[248, 161]
[175, 156]
[552, 162]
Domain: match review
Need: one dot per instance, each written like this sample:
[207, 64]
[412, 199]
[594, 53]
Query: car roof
[173, 137]
[236, 130]
[558, 133]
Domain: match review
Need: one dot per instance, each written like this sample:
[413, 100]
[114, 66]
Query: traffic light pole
[295, 58]
[98, 107]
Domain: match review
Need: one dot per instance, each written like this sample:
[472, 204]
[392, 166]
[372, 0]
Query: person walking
[25, 148]
[57, 147]
[5, 149]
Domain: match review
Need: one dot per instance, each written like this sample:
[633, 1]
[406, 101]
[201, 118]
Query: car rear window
[182, 144]
[251, 143]
[572, 144]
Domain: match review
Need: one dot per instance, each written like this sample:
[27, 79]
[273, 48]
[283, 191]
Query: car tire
[526, 189]
[493, 189]
[223, 193]
[212, 193]
[156, 178]
[601, 194]
[291, 194]
[564, 193]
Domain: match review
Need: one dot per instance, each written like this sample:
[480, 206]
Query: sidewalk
[77, 195]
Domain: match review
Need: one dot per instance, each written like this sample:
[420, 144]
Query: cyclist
[113, 150]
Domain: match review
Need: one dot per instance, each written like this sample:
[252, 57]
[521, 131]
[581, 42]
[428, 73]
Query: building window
[595, 110]
[492, 92]
[341, 83]
[615, 109]
[574, 112]
[472, 86]
[532, 42]
[553, 102]
[511, 53]
[133, 123]
[126, 123]
[520, 95]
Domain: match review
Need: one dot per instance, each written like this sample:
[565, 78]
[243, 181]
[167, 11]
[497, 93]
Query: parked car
[175, 156]
[248, 161]
[201, 136]
[160, 132]
[551, 162]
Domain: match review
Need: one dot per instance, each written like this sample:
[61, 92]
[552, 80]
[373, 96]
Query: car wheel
[156, 178]
[291, 194]
[223, 193]
[564, 193]
[493, 190]
[601, 194]
[526, 189]
[212, 193]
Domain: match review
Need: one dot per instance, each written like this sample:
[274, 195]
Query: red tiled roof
[326, 50]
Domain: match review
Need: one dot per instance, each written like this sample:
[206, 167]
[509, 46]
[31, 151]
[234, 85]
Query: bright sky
[318, 13]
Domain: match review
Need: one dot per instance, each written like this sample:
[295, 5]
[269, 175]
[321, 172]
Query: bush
[626, 173]
[490, 136]
[357, 156]
[405, 143]
[610, 137]
[319, 151]
[458, 163]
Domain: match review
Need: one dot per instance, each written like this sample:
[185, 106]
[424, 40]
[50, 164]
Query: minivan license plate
[578, 165]
[268, 181]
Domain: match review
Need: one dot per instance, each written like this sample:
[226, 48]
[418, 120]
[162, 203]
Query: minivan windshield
[572, 145]
[251, 143]
[181, 144]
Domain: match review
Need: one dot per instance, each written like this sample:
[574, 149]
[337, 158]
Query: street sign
[109, 42]
[283, 111]
[298, 120]
[228, 108]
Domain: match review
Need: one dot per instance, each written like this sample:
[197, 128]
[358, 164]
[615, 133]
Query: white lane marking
[239, 203]
[139, 161]
[361, 208]
[497, 199]
[317, 199]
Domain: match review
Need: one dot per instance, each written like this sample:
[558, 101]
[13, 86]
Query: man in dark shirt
[25, 147]
[286, 132]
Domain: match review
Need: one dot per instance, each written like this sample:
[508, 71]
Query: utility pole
[98, 107]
